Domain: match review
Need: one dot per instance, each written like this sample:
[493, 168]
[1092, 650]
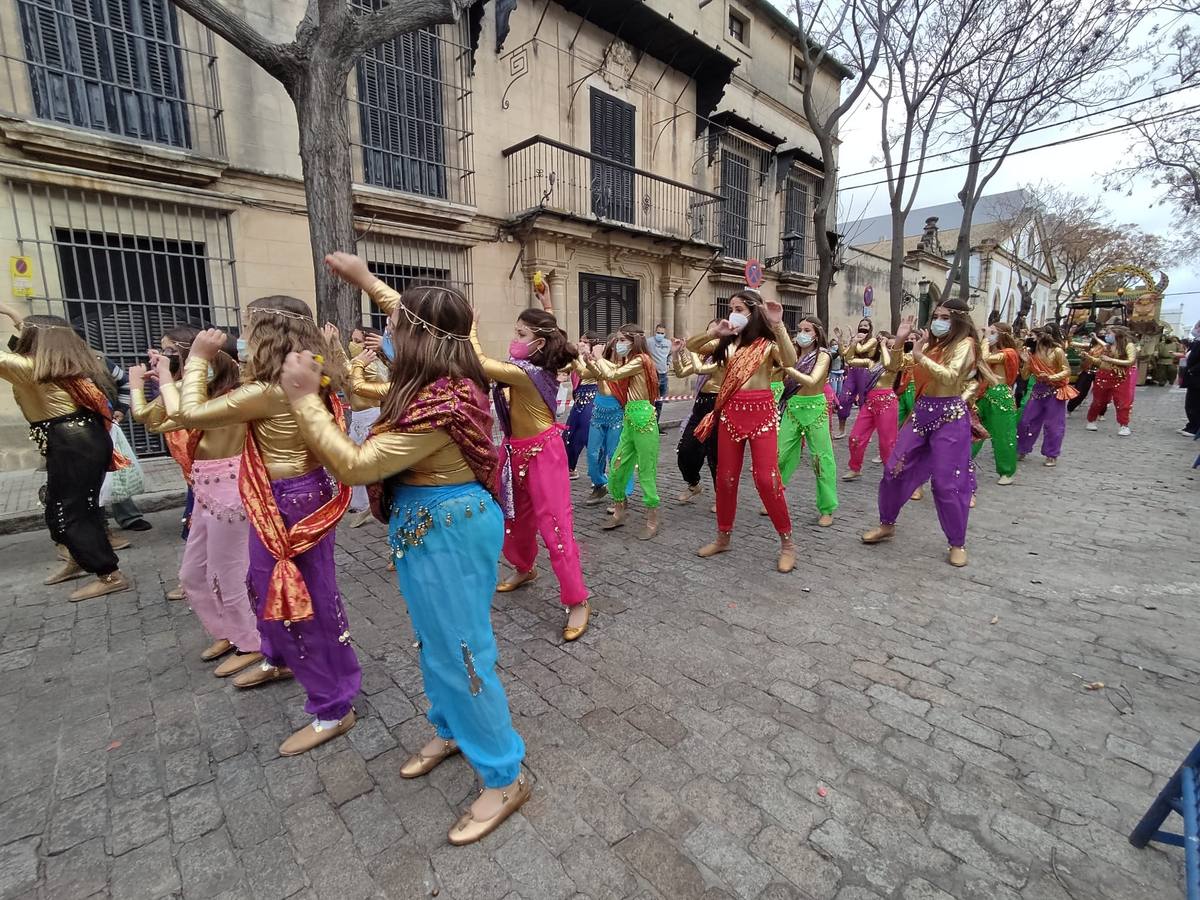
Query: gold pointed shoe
[518, 580]
[313, 735]
[787, 560]
[263, 673]
[467, 830]
[958, 557]
[69, 572]
[216, 650]
[101, 587]
[825, 521]
[574, 634]
[176, 594]
[651, 527]
[709, 550]
[878, 535]
[117, 542]
[239, 662]
[61, 551]
[419, 764]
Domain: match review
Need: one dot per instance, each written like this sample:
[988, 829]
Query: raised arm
[785, 350]
[244, 404]
[365, 389]
[380, 457]
[603, 370]
[15, 368]
[505, 373]
[353, 270]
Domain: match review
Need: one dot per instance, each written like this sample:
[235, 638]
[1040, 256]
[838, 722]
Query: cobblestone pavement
[876, 724]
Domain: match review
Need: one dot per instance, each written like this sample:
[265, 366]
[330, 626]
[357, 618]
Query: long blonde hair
[278, 325]
[59, 354]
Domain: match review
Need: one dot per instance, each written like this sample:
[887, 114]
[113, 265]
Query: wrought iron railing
[544, 173]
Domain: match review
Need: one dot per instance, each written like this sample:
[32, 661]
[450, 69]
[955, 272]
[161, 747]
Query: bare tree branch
[238, 32]
[400, 16]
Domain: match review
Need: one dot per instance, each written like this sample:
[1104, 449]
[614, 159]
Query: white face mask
[803, 338]
[738, 320]
[940, 327]
[622, 348]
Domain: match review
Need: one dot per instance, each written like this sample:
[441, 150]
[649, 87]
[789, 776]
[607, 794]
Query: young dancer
[579, 421]
[294, 508]
[935, 441]
[1046, 407]
[692, 453]
[59, 386]
[749, 346]
[216, 557]
[854, 387]
[805, 417]
[604, 431]
[878, 412]
[997, 409]
[1116, 378]
[634, 381]
[431, 457]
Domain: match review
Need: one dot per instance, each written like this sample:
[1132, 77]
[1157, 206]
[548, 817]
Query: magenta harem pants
[877, 414]
[542, 504]
[217, 554]
[934, 444]
[1043, 414]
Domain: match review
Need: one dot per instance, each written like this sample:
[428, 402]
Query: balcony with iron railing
[544, 174]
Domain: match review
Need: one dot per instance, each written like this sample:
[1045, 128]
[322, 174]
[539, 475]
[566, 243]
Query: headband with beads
[417, 321]
[287, 314]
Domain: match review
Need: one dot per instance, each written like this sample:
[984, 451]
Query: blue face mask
[660, 338]
[241, 348]
[388, 346]
[940, 327]
[1110, 339]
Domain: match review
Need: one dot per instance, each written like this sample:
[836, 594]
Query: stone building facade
[637, 152]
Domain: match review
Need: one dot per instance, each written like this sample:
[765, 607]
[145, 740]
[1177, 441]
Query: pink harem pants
[217, 555]
[542, 505]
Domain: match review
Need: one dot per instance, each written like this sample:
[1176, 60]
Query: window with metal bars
[735, 217]
[606, 303]
[402, 263]
[797, 212]
[612, 123]
[110, 65]
[795, 308]
[402, 112]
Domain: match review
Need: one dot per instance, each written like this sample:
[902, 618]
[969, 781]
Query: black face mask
[173, 357]
[908, 345]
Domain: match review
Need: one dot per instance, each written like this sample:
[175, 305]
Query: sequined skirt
[931, 413]
[749, 414]
[441, 522]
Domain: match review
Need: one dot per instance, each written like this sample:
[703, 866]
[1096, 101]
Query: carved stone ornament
[618, 65]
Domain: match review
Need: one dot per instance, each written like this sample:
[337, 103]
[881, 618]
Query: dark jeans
[1083, 384]
[125, 512]
[662, 392]
[1191, 406]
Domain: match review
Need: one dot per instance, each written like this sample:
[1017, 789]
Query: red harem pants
[750, 417]
[877, 414]
[1117, 387]
[542, 505]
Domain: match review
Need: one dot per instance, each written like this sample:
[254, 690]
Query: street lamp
[788, 242]
[923, 306]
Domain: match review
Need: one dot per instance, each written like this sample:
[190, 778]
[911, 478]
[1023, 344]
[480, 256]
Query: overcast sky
[1079, 167]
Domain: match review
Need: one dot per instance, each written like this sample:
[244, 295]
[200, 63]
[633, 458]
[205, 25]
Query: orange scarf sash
[182, 447]
[746, 361]
[620, 389]
[288, 598]
[84, 394]
[1042, 372]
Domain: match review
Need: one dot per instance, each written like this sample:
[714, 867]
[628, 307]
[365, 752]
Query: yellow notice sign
[20, 268]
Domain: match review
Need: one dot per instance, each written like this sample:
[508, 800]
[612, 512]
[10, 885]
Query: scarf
[182, 447]
[544, 380]
[288, 598]
[739, 370]
[804, 366]
[1042, 372]
[459, 407]
[620, 389]
[84, 394]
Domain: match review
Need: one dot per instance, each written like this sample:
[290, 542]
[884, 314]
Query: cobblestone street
[875, 725]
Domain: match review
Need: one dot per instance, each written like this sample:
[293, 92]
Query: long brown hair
[822, 342]
[756, 328]
[1005, 339]
[1123, 337]
[278, 325]
[960, 326]
[430, 344]
[59, 354]
[637, 339]
[556, 352]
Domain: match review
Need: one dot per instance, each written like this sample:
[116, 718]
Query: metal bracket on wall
[518, 57]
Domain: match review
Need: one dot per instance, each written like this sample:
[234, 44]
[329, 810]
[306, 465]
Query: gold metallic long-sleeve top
[1106, 362]
[1056, 360]
[365, 391]
[781, 356]
[215, 443]
[263, 407]
[857, 351]
[530, 415]
[632, 370]
[812, 384]
[425, 458]
[579, 367]
[688, 364]
[37, 402]
[949, 377]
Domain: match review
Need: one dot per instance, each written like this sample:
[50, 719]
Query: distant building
[1007, 243]
[1174, 316]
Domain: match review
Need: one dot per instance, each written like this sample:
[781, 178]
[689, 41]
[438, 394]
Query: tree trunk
[825, 197]
[319, 96]
[896, 266]
[961, 269]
